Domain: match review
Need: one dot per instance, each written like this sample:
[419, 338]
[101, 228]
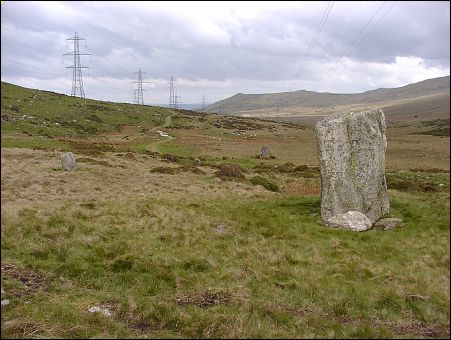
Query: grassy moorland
[147, 228]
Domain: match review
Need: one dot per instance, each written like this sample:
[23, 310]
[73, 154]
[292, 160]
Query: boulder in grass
[265, 153]
[353, 220]
[68, 161]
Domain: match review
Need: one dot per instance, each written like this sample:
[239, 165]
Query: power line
[350, 46]
[77, 79]
[372, 27]
[139, 91]
[377, 22]
[317, 33]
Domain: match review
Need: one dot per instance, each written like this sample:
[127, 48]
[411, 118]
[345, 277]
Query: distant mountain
[245, 102]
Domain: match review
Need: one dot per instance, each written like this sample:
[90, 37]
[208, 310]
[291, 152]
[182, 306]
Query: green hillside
[43, 119]
[57, 115]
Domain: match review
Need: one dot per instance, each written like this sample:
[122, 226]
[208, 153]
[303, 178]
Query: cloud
[221, 48]
[354, 76]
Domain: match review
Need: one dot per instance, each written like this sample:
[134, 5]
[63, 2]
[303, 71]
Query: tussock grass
[164, 170]
[264, 182]
[418, 181]
[304, 171]
[230, 171]
[176, 170]
[276, 272]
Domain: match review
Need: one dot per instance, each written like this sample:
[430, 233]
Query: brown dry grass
[34, 177]
[404, 150]
[303, 188]
[286, 144]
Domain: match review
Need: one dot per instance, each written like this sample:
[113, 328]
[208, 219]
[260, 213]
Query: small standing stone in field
[5, 302]
[354, 220]
[351, 148]
[265, 153]
[387, 223]
[68, 161]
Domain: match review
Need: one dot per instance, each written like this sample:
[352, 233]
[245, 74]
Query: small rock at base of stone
[353, 220]
[387, 223]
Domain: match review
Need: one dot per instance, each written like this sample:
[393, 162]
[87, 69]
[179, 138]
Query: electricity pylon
[172, 92]
[203, 103]
[77, 79]
[139, 91]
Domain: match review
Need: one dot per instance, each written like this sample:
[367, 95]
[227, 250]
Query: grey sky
[218, 49]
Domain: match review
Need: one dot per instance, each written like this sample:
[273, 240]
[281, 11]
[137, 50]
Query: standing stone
[264, 153]
[351, 148]
[68, 161]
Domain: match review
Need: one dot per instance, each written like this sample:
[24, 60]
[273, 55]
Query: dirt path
[154, 146]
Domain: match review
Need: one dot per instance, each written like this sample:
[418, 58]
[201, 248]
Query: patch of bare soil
[403, 329]
[420, 329]
[204, 299]
[32, 280]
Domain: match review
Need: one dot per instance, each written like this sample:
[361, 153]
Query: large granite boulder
[351, 148]
[68, 161]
